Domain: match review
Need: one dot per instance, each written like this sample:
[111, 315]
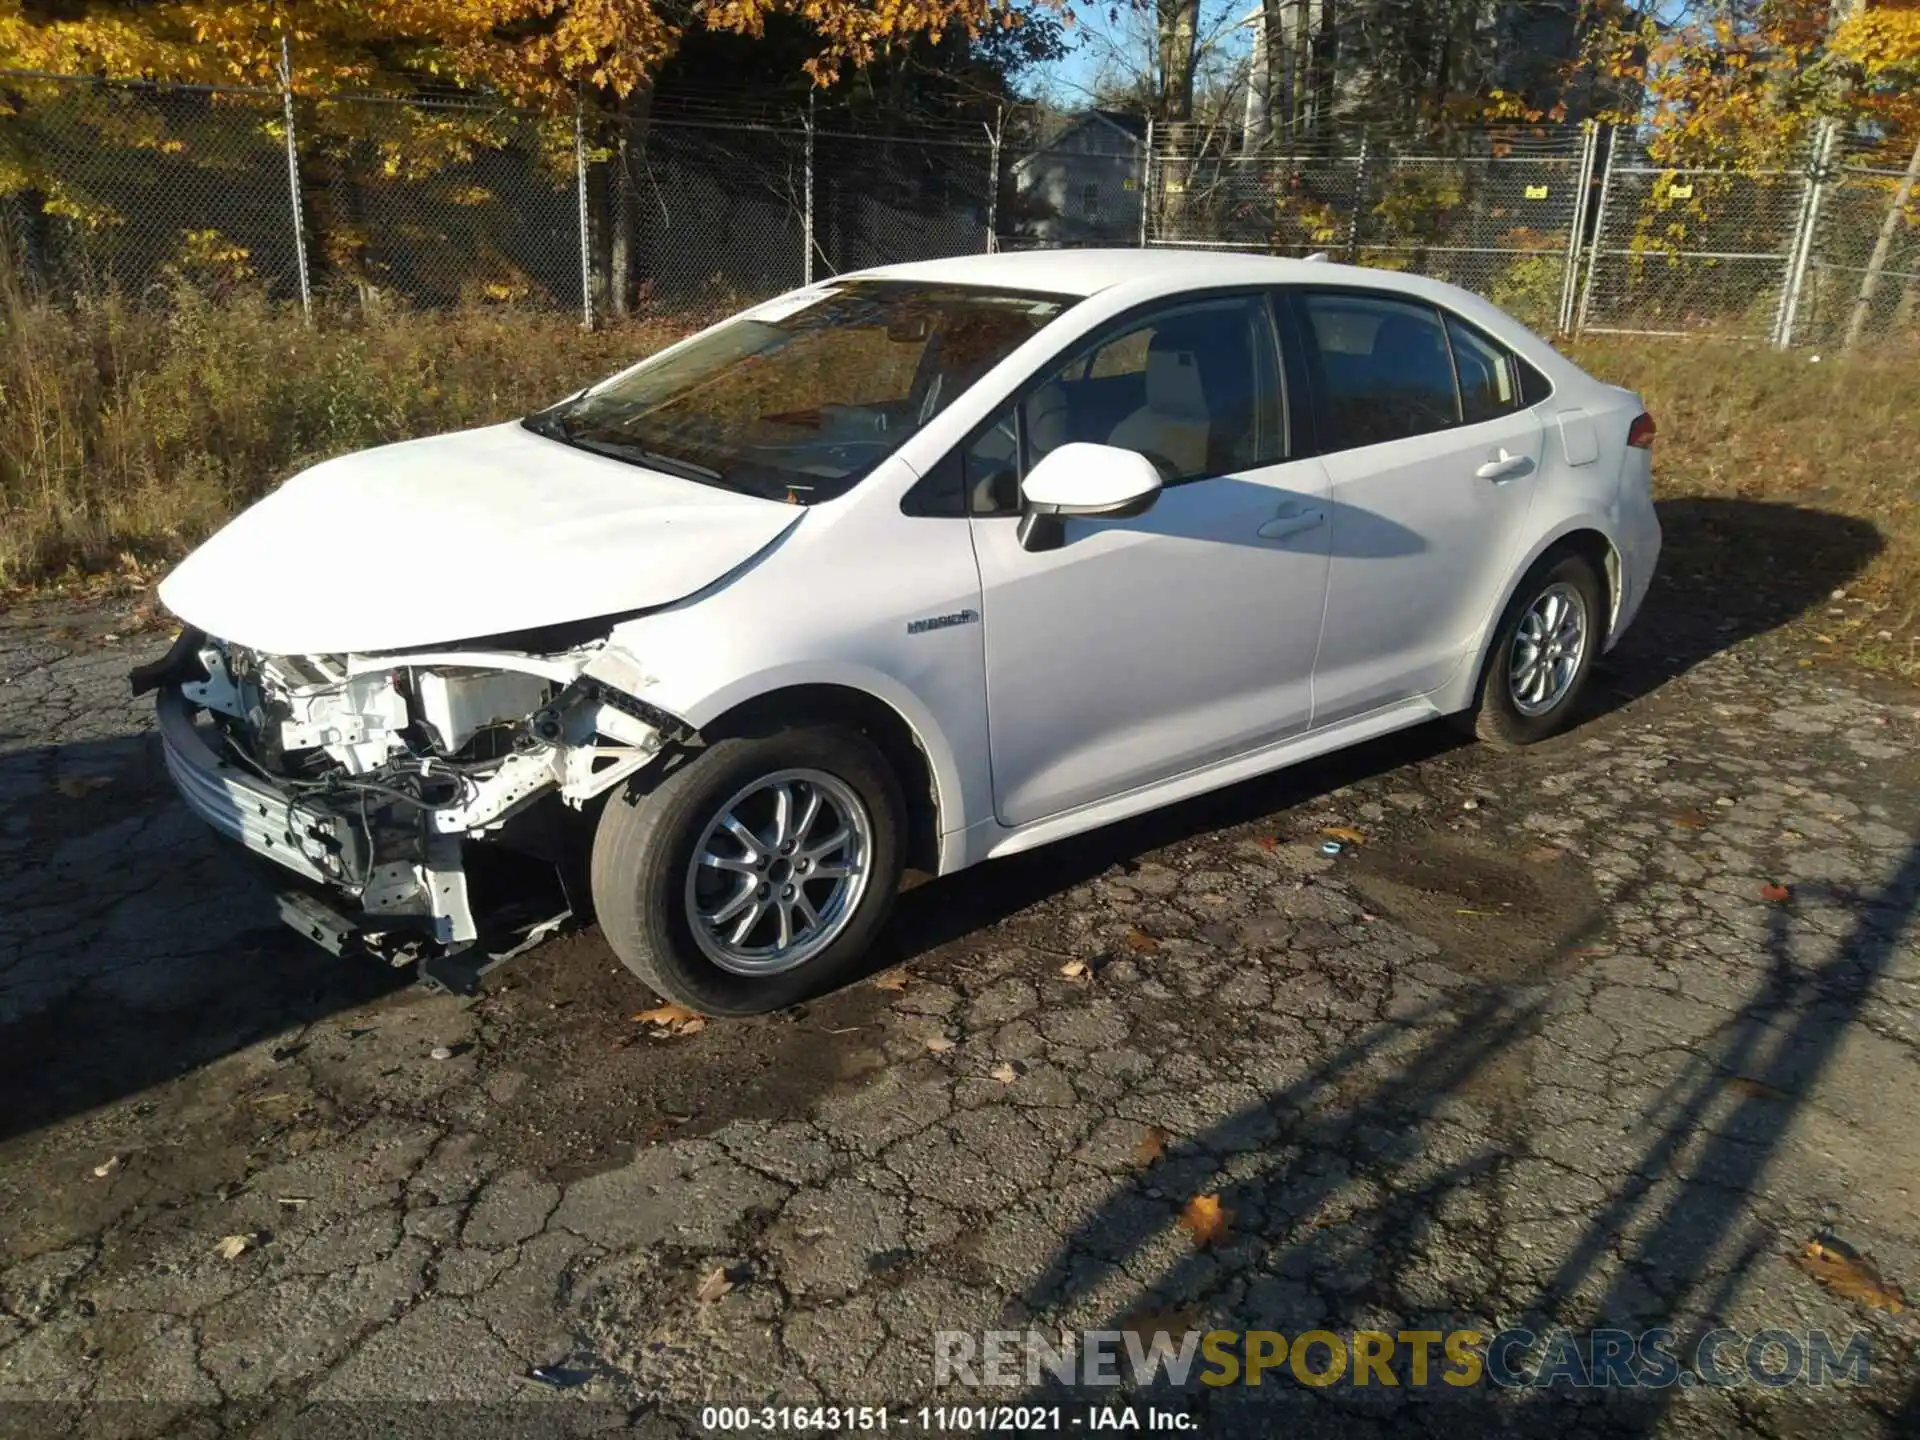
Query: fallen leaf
[1005, 1072]
[1543, 855]
[232, 1247]
[1774, 893]
[1758, 1089]
[1268, 842]
[891, 980]
[559, 1376]
[1206, 1219]
[1152, 1146]
[939, 1044]
[1693, 819]
[692, 1025]
[1345, 834]
[1854, 1276]
[664, 1015]
[714, 1286]
[106, 1167]
[1076, 970]
[1138, 939]
[76, 787]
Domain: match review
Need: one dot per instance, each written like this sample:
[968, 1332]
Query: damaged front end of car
[387, 789]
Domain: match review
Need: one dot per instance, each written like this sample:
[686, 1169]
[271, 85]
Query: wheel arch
[1583, 536]
[898, 739]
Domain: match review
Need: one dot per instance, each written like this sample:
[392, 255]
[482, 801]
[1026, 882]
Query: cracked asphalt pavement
[1543, 1049]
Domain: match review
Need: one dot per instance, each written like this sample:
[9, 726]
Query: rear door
[1433, 461]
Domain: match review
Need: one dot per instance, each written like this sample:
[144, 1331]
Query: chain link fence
[1863, 269]
[146, 188]
[439, 202]
[1678, 251]
[1496, 213]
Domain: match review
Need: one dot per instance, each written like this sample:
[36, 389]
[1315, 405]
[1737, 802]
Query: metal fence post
[993, 181]
[1577, 229]
[806, 220]
[1146, 184]
[1359, 204]
[586, 234]
[293, 182]
[1805, 235]
[1599, 230]
[1862, 308]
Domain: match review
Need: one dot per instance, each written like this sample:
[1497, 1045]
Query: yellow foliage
[207, 255]
[535, 51]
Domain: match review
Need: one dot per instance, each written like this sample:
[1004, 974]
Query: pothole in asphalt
[1496, 917]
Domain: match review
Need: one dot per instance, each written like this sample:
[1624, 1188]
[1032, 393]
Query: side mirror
[1094, 481]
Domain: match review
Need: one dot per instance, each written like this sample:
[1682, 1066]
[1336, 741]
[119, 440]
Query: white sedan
[913, 568]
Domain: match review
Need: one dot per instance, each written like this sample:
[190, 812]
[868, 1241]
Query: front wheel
[757, 873]
[1542, 653]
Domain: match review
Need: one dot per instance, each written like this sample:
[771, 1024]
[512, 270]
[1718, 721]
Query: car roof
[1088, 272]
[1144, 275]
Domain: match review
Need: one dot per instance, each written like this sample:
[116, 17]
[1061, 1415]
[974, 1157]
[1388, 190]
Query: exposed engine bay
[394, 766]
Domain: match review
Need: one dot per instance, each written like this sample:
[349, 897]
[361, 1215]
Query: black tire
[1495, 718]
[644, 846]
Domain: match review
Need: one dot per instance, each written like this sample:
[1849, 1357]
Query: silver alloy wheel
[779, 872]
[1547, 649]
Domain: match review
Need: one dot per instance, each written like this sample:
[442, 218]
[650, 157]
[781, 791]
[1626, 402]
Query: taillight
[1640, 433]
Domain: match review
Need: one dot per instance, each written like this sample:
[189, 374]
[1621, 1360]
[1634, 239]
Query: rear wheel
[756, 874]
[1542, 653]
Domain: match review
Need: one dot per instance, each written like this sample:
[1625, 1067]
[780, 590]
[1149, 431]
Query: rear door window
[1383, 369]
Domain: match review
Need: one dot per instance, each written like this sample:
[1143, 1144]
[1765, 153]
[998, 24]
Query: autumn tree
[546, 55]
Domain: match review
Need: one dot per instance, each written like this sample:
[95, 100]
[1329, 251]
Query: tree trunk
[1177, 34]
[36, 250]
[1326, 64]
[1263, 70]
[1882, 247]
[628, 191]
[1299, 81]
[1178, 26]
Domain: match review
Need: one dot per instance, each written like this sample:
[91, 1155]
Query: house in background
[1084, 186]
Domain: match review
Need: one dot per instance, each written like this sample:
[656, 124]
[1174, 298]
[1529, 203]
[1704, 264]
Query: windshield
[799, 398]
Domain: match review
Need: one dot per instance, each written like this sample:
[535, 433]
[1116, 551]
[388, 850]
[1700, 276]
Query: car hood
[478, 533]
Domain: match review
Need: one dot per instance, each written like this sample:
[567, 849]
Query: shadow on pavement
[1730, 570]
[139, 947]
[1307, 1258]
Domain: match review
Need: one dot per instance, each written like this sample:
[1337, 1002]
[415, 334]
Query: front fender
[699, 704]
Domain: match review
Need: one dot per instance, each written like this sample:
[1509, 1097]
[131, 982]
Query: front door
[1145, 647]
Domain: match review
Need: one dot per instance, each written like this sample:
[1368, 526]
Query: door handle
[1292, 522]
[1506, 467]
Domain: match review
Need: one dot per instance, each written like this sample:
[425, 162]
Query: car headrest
[1173, 383]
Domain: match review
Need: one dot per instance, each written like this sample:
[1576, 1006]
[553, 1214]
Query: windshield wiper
[674, 465]
[653, 459]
